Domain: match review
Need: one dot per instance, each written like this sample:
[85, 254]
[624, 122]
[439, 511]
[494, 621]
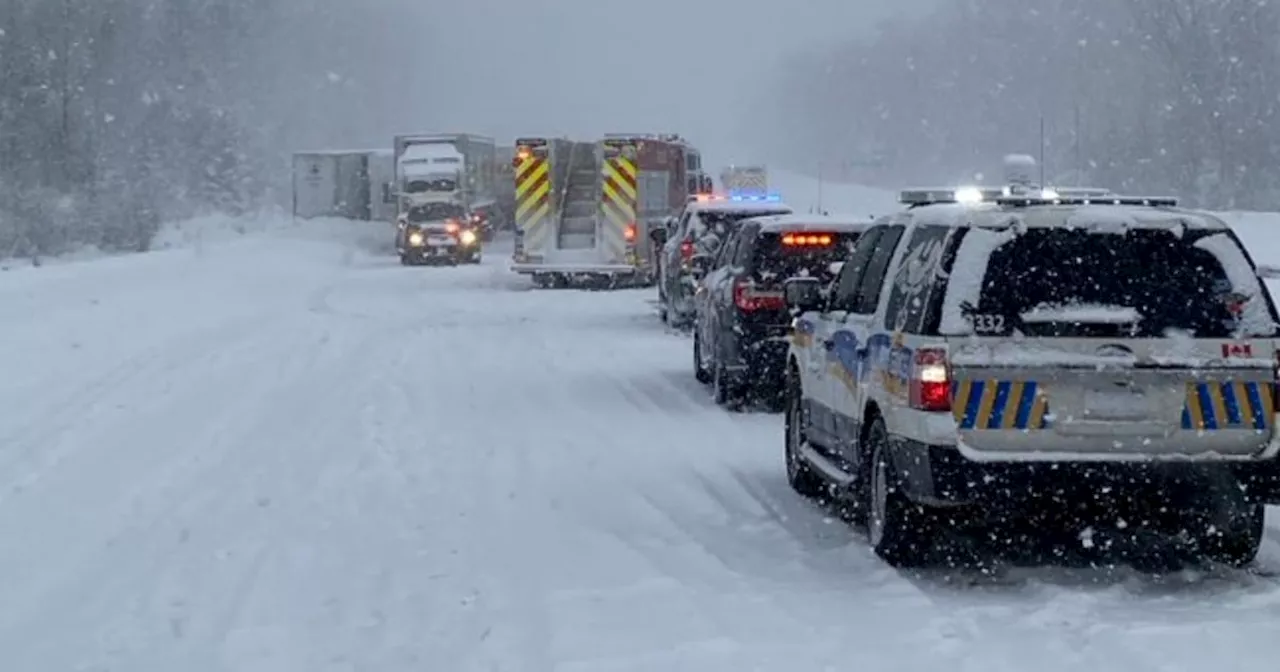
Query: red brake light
[630, 233]
[749, 299]
[686, 250]
[1275, 386]
[807, 239]
[930, 387]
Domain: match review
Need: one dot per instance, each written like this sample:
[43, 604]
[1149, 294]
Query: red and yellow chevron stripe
[533, 191]
[619, 202]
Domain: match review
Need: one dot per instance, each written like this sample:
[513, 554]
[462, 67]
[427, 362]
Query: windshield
[435, 212]
[721, 223]
[1073, 282]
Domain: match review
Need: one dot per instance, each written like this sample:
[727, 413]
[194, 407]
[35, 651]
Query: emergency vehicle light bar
[810, 240]
[737, 197]
[753, 195]
[913, 197]
[1026, 201]
[1005, 195]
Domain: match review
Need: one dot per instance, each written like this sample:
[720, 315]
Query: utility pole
[1079, 161]
[1042, 143]
[819, 186]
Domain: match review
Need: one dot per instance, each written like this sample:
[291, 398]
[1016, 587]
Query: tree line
[116, 115]
[1143, 96]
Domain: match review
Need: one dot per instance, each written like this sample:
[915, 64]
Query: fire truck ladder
[580, 203]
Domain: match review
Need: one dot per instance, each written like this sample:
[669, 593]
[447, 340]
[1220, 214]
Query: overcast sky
[586, 67]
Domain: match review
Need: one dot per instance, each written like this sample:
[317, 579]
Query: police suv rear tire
[1229, 525]
[800, 474]
[700, 372]
[725, 389]
[899, 530]
[1238, 546]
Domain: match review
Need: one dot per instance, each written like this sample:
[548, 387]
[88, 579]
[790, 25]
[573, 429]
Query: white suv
[1045, 358]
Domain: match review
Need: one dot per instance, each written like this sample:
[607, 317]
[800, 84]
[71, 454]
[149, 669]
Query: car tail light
[630, 233]
[808, 240]
[1275, 378]
[748, 298]
[930, 386]
[686, 250]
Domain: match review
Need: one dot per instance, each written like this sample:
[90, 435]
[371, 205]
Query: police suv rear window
[1063, 282]
[788, 254]
[724, 222]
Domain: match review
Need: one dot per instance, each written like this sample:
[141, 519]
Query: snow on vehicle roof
[1104, 218]
[796, 222]
[432, 150]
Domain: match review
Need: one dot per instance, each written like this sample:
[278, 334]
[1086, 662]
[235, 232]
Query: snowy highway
[286, 454]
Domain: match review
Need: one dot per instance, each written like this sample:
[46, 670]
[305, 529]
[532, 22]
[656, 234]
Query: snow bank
[216, 228]
[198, 233]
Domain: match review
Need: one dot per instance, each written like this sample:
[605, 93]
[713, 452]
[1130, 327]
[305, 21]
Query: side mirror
[699, 264]
[694, 185]
[658, 235]
[835, 267]
[803, 294]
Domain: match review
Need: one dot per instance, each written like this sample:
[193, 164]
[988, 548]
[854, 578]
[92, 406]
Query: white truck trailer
[346, 184]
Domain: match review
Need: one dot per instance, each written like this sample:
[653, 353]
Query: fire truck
[669, 172]
[585, 210]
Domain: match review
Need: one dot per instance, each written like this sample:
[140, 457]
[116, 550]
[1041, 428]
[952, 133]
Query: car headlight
[415, 238]
[468, 237]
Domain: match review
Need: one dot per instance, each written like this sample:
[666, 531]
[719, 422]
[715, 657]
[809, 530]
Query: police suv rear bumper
[941, 475]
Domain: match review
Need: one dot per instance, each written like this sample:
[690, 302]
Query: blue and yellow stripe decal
[998, 404]
[1228, 405]
[802, 333]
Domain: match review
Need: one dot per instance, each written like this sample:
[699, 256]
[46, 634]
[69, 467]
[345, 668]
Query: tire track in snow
[158, 537]
[36, 442]
[190, 581]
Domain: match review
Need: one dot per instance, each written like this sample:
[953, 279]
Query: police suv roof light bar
[915, 197]
[1112, 199]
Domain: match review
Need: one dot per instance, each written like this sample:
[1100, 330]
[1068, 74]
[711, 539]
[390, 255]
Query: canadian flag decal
[1237, 350]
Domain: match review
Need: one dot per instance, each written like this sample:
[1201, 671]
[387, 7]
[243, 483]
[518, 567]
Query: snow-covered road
[280, 455]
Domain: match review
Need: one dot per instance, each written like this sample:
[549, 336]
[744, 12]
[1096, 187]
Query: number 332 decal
[987, 324]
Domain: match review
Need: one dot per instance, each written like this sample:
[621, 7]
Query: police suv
[704, 223]
[1048, 356]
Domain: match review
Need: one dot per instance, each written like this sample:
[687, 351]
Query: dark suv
[741, 322]
[705, 222]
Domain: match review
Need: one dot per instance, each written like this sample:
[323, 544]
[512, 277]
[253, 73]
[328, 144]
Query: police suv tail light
[1275, 378]
[630, 233]
[930, 388]
[749, 299]
[686, 250]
